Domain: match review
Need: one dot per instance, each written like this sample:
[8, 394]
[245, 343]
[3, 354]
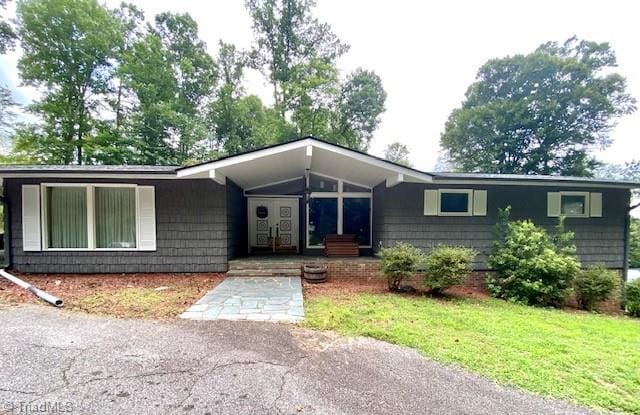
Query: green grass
[134, 303]
[591, 359]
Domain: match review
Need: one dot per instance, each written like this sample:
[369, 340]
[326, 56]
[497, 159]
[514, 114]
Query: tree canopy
[117, 88]
[539, 113]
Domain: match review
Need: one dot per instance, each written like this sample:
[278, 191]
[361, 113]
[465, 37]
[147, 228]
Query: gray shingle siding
[398, 216]
[236, 221]
[191, 230]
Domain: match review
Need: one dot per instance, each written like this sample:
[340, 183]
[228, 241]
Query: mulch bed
[346, 286]
[73, 289]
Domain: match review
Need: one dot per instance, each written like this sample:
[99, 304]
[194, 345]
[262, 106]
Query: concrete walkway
[276, 299]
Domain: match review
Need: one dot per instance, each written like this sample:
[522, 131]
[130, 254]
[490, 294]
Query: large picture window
[90, 217]
[337, 207]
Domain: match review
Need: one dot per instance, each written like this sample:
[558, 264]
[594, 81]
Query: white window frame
[340, 196]
[468, 192]
[91, 223]
[587, 208]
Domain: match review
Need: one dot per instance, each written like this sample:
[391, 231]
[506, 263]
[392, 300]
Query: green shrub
[531, 266]
[447, 266]
[594, 285]
[632, 298]
[399, 262]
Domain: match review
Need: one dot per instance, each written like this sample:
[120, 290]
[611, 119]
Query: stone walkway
[276, 299]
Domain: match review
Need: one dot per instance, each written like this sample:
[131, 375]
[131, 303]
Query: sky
[427, 53]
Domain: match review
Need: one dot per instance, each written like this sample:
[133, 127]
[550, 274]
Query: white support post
[308, 157]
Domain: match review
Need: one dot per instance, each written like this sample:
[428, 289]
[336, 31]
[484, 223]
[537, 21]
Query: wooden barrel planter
[315, 273]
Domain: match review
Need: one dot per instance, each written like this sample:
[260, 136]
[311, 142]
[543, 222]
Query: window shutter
[31, 236]
[479, 203]
[146, 218]
[553, 204]
[431, 202]
[595, 205]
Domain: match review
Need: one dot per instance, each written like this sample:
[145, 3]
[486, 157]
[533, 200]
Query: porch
[364, 267]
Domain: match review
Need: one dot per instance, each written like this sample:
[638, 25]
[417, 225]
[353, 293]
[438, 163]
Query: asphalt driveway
[85, 364]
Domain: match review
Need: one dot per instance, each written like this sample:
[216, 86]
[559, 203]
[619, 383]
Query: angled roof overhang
[293, 159]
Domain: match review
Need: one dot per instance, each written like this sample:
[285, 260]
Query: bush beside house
[532, 267]
[399, 262]
[595, 284]
[447, 266]
[632, 298]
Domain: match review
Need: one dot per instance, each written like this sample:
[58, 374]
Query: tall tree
[360, 105]
[241, 122]
[173, 78]
[67, 50]
[539, 113]
[397, 153]
[287, 38]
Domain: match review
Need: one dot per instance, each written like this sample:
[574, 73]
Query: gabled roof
[292, 159]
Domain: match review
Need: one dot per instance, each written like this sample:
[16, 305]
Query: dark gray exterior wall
[398, 215]
[236, 221]
[191, 231]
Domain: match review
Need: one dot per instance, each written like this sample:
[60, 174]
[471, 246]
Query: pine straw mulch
[155, 296]
[341, 287]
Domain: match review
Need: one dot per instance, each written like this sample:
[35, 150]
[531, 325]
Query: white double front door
[273, 224]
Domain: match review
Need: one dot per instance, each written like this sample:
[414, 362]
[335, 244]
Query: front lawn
[591, 359]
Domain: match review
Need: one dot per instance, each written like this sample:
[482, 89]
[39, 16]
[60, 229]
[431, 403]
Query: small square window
[455, 203]
[573, 204]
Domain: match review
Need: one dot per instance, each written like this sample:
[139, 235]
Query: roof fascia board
[76, 175]
[241, 158]
[533, 182]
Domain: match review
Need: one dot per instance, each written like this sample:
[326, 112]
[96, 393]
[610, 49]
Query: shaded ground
[159, 296]
[103, 365]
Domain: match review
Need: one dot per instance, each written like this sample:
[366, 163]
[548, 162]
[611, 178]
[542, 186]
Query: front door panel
[273, 225]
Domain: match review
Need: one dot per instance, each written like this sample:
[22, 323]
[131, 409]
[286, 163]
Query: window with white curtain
[115, 217]
[66, 217]
[87, 216]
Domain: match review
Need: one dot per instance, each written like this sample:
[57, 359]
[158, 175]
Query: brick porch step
[264, 268]
[279, 272]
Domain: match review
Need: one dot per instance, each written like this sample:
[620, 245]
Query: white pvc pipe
[35, 291]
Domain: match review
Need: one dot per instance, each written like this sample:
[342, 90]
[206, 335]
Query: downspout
[627, 233]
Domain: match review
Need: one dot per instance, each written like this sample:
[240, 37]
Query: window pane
[322, 184]
[454, 202]
[572, 205]
[348, 187]
[323, 219]
[67, 217]
[115, 217]
[356, 219]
